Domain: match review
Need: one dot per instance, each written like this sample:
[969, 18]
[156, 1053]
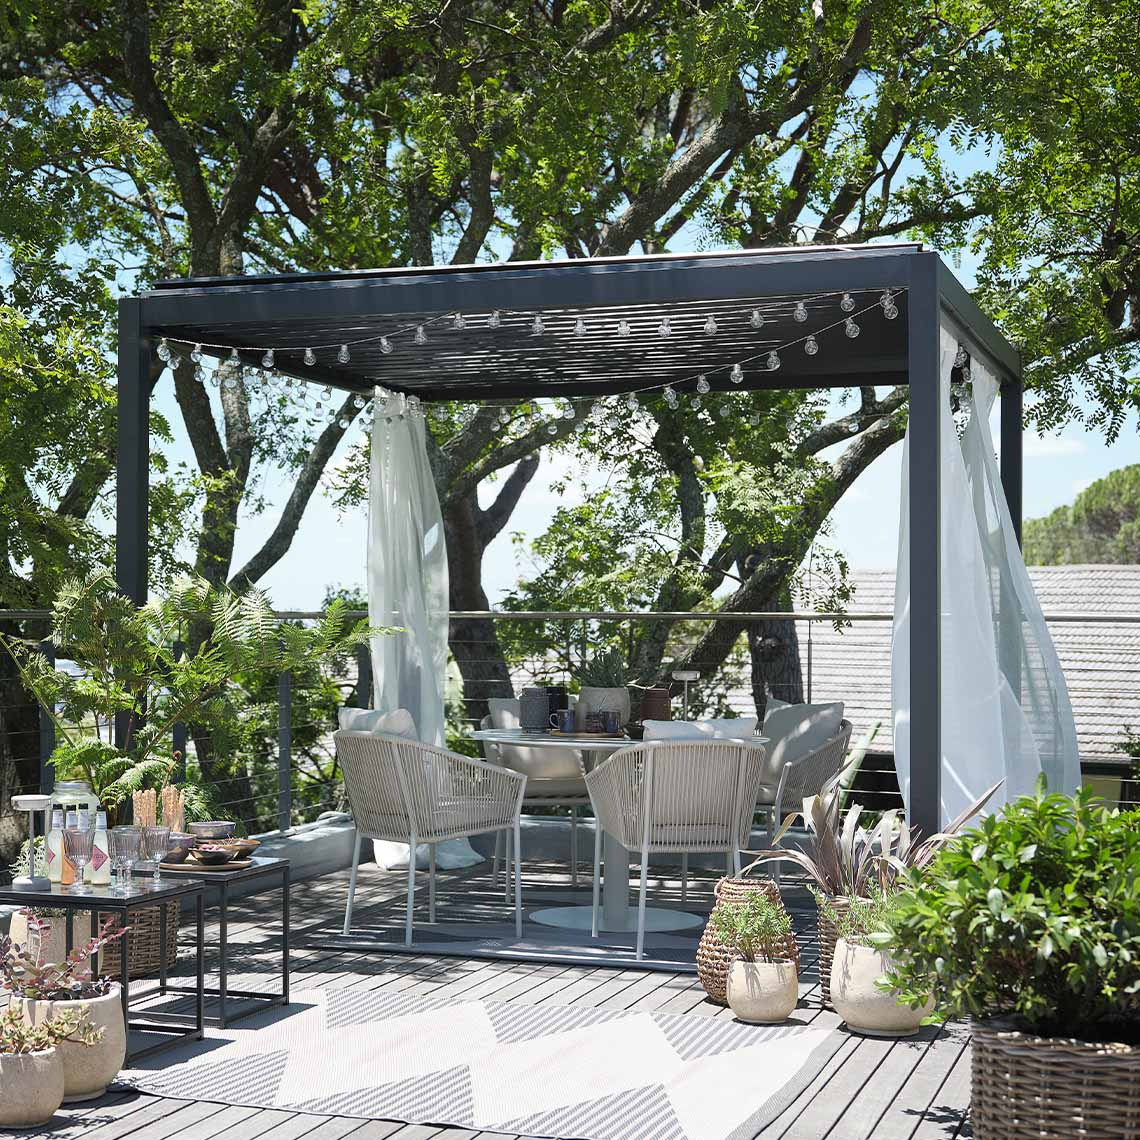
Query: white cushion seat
[793, 732]
[716, 728]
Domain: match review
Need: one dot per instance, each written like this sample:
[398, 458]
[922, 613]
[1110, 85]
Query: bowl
[212, 856]
[241, 847]
[180, 846]
[212, 829]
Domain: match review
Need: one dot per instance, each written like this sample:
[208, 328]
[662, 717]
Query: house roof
[1100, 657]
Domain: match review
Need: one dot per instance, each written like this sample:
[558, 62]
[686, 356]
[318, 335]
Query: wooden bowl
[212, 856]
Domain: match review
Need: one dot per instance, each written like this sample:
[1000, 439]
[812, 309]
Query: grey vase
[534, 710]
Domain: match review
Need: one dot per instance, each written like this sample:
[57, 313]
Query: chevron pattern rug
[571, 1072]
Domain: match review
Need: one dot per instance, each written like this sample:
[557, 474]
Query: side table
[106, 900]
[265, 874]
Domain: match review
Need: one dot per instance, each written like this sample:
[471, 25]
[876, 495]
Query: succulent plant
[24, 976]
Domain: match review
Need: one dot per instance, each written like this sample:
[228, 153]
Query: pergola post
[923, 351]
[1012, 401]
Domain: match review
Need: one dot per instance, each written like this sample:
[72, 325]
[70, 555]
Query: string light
[538, 325]
[494, 320]
[696, 403]
[961, 356]
[551, 429]
[737, 374]
[710, 325]
[703, 384]
[623, 328]
[891, 311]
[459, 321]
[343, 356]
[664, 329]
[344, 422]
[756, 319]
[800, 312]
[163, 351]
[420, 336]
[235, 360]
[772, 360]
[847, 303]
[358, 402]
[631, 402]
[579, 327]
[326, 391]
[850, 328]
[196, 354]
[811, 346]
[310, 357]
[267, 359]
[386, 345]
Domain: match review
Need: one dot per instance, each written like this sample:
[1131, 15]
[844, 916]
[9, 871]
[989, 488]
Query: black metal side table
[266, 874]
[107, 900]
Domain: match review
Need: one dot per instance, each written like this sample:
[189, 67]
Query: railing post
[284, 750]
[178, 732]
[809, 625]
[363, 677]
[47, 728]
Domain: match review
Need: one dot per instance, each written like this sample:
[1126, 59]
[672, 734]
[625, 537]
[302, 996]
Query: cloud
[1052, 446]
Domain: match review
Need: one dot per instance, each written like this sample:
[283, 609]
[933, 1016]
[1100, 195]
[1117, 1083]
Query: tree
[1102, 525]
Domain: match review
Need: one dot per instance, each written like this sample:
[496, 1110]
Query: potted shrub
[1030, 923]
[603, 686]
[762, 984]
[847, 861]
[860, 993]
[40, 992]
[31, 1067]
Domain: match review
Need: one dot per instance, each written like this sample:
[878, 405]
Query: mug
[611, 720]
[562, 720]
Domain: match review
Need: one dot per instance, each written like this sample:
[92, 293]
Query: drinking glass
[124, 844]
[155, 844]
[78, 845]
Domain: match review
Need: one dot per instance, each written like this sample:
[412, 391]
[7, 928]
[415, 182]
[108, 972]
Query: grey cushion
[794, 731]
[398, 722]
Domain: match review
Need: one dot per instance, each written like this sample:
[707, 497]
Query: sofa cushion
[398, 722]
[723, 728]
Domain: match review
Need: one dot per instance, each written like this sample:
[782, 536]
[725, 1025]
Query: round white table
[617, 914]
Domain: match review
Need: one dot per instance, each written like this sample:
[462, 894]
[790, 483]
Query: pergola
[497, 351]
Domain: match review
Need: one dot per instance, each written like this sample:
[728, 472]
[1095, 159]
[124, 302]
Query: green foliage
[72, 1025]
[1033, 913]
[604, 670]
[864, 920]
[754, 927]
[1102, 525]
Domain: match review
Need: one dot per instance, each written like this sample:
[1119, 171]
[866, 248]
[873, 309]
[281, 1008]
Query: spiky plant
[128, 666]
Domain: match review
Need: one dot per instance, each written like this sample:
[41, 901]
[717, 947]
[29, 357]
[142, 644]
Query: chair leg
[684, 876]
[736, 862]
[411, 890]
[495, 859]
[597, 875]
[641, 905]
[431, 882]
[518, 881]
[352, 882]
[574, 848]
[507, 862]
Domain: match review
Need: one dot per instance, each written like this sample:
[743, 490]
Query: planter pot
[31, 1088]
[1051, 1087]
[51, 944]
[763, 993]
[592, 700]
[856, 997]
[88, 1069]
[827, 937]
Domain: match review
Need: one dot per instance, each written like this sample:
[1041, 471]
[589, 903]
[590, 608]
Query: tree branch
[491, 521]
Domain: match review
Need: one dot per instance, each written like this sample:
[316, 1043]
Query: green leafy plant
[1033, 914]
[865, 920]
[756, 928]
[844, 859]
[17, 1036]
[70, 980]
[605, 670]
[129, 668]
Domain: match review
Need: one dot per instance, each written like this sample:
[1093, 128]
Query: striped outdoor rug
[571, 1072]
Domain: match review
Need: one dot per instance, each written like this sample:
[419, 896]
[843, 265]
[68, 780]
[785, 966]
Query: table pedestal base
[581, 918]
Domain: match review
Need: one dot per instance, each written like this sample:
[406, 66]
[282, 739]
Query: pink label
[98, 858]
[50, 856]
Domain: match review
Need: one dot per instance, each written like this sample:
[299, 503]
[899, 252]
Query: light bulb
[696, 403]
[891, 311]
[196, 354]
[494, 320]
[737, 374]
[504, 417]
[551, 429]
[631, 402]
[756, 320]
[811, 346]
[710, 325]
[885, 298]
[459, 321]
[420, 336]
[215, 379]
[310, 357]
[668, 393]
[579, 327]
[623, 328]
[235, 360]
[267, 359]
[358, 402]
[343, 356]
[386, 345]
[344, 422]
[850, 328]
[800, 312]
[568, 412]
[326, 392]
[754, 420]
[198, 373]
[702, 384]
[664, 328]
[960, 356]
[163, 350]
[847, 303]
[538, 325]
[724, 410]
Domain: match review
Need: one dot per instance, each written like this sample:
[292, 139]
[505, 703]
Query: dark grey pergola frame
[242, 308]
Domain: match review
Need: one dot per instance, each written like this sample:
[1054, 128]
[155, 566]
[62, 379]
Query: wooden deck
[888, 1090]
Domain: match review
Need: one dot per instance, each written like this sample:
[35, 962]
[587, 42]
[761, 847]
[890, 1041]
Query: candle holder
[31, 881]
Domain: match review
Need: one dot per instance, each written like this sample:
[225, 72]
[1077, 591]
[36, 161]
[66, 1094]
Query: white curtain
[1005, 707]
[407, 568]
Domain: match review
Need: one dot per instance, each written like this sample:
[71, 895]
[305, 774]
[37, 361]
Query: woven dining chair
[409, 792]
[675, 796]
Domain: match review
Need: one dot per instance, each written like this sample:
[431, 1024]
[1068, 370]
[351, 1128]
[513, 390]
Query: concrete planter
[763, 993]
[856, 997]
[88, 1069]
[51, 945]
[31, 1088]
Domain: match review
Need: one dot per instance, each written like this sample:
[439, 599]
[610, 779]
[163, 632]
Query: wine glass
[124, 844]
[155, 844]
[78, 845]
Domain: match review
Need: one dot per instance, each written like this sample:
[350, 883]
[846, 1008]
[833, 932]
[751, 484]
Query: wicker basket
[713, 957]
[1052, 1087]
[827, 939]
[144, 935]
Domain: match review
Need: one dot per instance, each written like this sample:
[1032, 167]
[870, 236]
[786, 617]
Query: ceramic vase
[857, 998]
[31, 1088]
[763, 993]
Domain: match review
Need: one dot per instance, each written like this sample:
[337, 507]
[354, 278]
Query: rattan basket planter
[714, 958]
[1051, 1088]
[145, 942]
[827, 939]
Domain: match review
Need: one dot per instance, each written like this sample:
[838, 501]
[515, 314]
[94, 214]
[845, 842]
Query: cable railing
[289, 775]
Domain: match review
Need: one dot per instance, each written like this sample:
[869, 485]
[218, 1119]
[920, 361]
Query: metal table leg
[200, 995]
[162, 949]
[285, 879]
[125, 969]
[223, 935]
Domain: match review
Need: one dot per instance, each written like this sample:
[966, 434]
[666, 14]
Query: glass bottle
[53, 845]
[67, 871]
[98, 871]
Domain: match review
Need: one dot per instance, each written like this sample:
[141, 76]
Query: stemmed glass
[155, 844]
[78, 844]
[124, 844]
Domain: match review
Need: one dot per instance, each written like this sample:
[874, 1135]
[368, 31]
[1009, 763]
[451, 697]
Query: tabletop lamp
[31, 881]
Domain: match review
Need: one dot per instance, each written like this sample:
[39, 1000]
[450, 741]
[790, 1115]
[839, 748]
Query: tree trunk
[774, 649]
[19, 747]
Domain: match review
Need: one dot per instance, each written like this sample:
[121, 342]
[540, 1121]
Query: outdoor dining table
[617, 914]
